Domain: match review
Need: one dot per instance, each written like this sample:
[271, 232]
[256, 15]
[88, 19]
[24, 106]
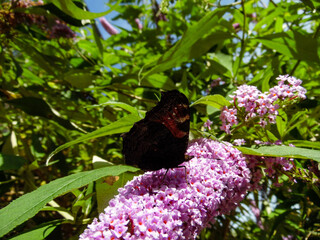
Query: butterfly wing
[151, 146]
[160, 140]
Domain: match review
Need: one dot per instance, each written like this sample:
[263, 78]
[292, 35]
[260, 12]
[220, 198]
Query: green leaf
[36, 56]
[122, 125]
[79, 78]
[294, 44]
[33, 106]
[158, 81]
[106, 191]
[97, 38]
[32, 78]
[40, 232]
[38, 107]
[304, 143]
[216, 101]
[10, 162]
[122, 105]
[308, 3]
[72, 10]
[19, 69]
[29, 204]
[197, 40]
[225, 60]
[274, 12]
[282, 121]
[108, 187]
[282, 151]
[279, 219]
[50, 9]
[215, 68]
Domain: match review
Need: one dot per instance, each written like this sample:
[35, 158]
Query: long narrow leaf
[29, 204]
[72, 10]
[304, 143]
[198, 39]
[122, 105]
[293, 44]
[120, 126]
[39, 232]
[283, 151]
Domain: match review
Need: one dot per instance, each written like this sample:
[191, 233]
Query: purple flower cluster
[252, 105]
[208, 124]
[154, 206]
[61, 30]
[11, 19]
[270, 166]
[290, 90]
[239, 142]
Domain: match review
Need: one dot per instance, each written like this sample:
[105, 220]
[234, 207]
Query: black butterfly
[160, 139]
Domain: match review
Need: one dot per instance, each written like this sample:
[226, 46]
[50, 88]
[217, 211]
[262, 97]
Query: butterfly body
[161, 138]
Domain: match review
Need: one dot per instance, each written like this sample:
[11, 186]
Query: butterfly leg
[185, 172]
[164, 176]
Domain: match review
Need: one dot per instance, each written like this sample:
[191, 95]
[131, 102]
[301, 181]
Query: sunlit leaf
[71, 9]
[122, 125]
[304, 143]
[216, 101]
[197, 40]
[107, 187]
[29, 204]
[122, 105]
[158, 81]
[294, 44]
[80, 78]
[282, 151]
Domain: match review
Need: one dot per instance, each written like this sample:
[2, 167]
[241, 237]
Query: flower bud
[139, 24]
[108, 27]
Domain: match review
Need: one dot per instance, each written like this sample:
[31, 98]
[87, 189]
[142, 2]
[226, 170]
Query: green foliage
[71, 9]
[283, 151]
[66, 100]
[122, 125]
[29, 204]
[216, 101]
[40, 232]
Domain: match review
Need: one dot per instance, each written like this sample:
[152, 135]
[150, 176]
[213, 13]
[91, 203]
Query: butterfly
[160, 139]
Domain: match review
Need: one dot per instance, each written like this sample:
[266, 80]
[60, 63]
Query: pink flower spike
[139, 24]
[153, 207]
[108, 27]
